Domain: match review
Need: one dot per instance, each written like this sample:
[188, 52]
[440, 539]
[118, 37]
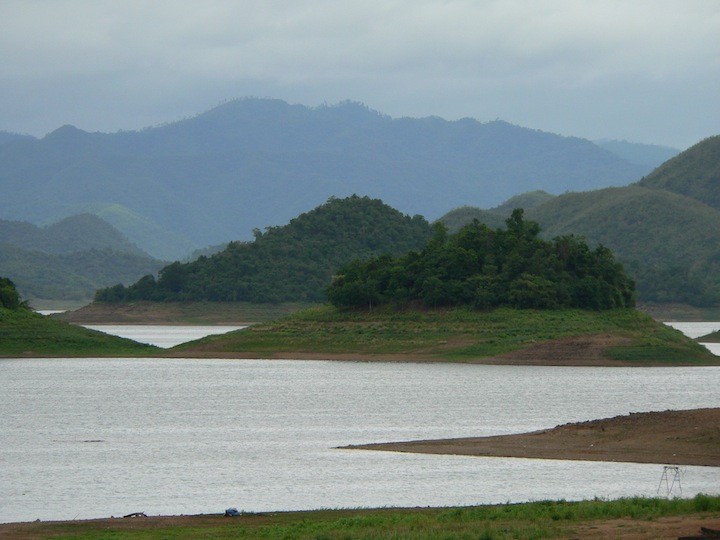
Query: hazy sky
[641, 70]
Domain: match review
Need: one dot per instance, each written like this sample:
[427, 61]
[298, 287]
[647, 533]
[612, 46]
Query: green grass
[24, 333]
[142, 312]
[454, 334]
[544, 519]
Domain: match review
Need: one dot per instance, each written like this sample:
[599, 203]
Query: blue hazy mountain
[254, 163]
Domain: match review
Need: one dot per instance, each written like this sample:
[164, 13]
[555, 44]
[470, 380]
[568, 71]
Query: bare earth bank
[690, 437]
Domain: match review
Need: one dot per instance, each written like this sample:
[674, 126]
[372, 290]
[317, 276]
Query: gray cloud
[645, 70]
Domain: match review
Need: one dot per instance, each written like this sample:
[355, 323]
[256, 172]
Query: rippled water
[98, 437]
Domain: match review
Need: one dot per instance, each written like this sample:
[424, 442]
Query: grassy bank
[179, 312]
[590, 519]
[460, 335]
[24, 333]
[680, 312]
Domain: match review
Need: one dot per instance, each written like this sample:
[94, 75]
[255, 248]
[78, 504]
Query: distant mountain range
[75, 233]
[665, 228]
[253, 163]
[70, 259]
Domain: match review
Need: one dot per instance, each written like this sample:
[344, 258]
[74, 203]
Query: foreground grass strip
[24, 333]
[545, 519]
[456, 334]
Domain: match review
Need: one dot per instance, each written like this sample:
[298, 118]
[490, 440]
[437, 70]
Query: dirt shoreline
[688, 437]
[579, 351]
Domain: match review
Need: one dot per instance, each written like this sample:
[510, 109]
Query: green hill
[526, 201]
[70, 259]
[75, 233]
[500, 336]
[667, 242]
[665, 229]
[694, 173]
[486, 268]
[457, 218]
[162, 242]
[493, 217]
[28, 334]
[25, 333]
[290, 263]
[75, 276]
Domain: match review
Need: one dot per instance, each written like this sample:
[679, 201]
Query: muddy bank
[690, 437]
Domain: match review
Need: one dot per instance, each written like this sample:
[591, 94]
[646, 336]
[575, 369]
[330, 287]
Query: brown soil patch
[689, 437]
[588, 350]
[631, 529]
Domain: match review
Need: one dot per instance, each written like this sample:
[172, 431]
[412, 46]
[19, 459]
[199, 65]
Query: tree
[9, 297]
[483, 268]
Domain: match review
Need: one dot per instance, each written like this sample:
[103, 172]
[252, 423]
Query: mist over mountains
[254, 163]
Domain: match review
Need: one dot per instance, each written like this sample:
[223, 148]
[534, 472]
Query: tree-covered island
[486, 268]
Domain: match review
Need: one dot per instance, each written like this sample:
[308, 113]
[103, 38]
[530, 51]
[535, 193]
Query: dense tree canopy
[291, 263]
[486, 268]
[9, 297]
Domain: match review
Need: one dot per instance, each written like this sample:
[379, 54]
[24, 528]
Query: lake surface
[164, 336]
[88, 438]
[697, 329]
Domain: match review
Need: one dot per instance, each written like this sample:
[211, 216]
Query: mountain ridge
[254, 163]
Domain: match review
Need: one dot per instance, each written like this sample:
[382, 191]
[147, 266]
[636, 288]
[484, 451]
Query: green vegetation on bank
[25, 333]
[534, 520]
[458, 334]
[485, 268]
[179, 312]
[293, 263]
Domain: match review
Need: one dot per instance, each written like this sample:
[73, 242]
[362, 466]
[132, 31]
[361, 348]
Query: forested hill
[255, 162]
[75, 233]
[694, 173]
[294, 262]
[665, 229]
[485, 268]
[493, 217]
[69, 260]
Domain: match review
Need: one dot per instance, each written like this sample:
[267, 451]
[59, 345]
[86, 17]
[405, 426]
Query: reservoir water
[164, 336]
[86, 438]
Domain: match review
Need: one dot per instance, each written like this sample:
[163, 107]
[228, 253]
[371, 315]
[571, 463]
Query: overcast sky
[640, 70]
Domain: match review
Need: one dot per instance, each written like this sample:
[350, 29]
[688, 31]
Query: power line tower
[671, 480]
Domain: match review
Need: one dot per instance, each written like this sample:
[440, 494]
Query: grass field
[643, 517]
[179, 312]
[24, 333]
[456, 334]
